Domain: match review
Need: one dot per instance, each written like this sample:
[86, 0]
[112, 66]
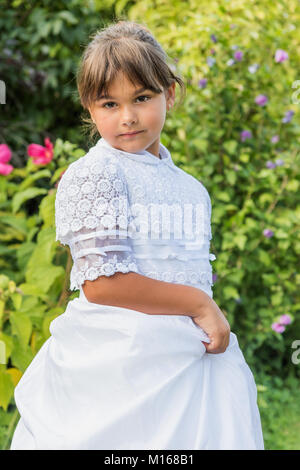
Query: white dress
[115, 378]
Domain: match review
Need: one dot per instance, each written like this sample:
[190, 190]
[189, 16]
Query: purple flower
[213, 38]
[245, 135]
[281, 55]
[288, 116]
[285, 320]
[261, 100]
[214, 277]
[277, 327]
[202, 83]
[275, 139]
[212, 51]
[279, 162]
[268, 233]
[238, 55]
[270, 164]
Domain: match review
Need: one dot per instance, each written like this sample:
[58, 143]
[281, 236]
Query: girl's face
[127, 109]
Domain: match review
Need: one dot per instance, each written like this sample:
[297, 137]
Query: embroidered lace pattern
[94, 216]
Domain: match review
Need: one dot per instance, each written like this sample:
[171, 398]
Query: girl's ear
[171, 94]
[92, 117]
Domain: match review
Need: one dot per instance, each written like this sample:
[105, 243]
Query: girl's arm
[138, 292]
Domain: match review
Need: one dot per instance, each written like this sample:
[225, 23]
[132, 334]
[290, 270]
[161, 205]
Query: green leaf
[21, 326]
[264, 258]
[16, 297]
[6, 389]
[276, 299]
[230, 292]
[231, 176]
[223, 196]
[8, 344]
[201, 144]
[244, 157]
[19, 223]
[33, 177]
[21, 358]
[46, 210]
[23, 196]
[44, 275]
[230, 146]
[68, 17]
[240, 241]
[292, 185]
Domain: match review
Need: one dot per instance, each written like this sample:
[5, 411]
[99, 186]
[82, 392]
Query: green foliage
[41, 44]
[34, 279]
[280, 410]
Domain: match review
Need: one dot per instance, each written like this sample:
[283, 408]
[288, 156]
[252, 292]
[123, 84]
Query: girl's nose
[129, 122]
[128, 117]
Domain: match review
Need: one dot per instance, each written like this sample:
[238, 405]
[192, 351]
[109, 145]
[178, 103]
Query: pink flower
[5, 169]
[281, 55]
[238, 55]
[275, 139]
[268, 233]
[202, 83]
[278, 328]
[5, 153]
[245, 135]
[285, 320]
[288, 116]
[41, 155]
[261, 100]
[5, 156]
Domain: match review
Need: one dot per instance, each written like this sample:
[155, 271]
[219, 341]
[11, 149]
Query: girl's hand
[212, 320]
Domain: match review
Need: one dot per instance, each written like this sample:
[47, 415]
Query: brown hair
[127, 47]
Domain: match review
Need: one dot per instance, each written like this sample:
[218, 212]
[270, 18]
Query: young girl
[143, 358]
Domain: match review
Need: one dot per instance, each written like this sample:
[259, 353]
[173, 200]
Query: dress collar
[142, 156]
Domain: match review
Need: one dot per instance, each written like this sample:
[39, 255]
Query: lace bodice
[122, 212]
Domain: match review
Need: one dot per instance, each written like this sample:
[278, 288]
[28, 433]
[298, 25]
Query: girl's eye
[144, 96]
[111, 102]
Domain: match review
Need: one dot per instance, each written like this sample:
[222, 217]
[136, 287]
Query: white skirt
[114, 378]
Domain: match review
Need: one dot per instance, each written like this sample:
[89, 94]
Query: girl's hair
[127, 47]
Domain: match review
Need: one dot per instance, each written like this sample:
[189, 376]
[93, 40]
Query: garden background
[237, 131]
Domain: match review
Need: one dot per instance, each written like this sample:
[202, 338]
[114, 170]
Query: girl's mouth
[131, 134]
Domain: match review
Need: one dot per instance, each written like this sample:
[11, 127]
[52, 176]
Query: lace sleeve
[92, 216]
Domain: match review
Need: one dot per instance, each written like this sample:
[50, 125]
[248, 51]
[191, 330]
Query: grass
[279, 406]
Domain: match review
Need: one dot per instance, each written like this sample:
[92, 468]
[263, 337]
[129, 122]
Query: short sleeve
[92, 216]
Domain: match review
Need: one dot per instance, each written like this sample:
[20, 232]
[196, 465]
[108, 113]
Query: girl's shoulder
[195, 183]
[96, 163]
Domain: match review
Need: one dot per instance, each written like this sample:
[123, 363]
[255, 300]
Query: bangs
[137, 61]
